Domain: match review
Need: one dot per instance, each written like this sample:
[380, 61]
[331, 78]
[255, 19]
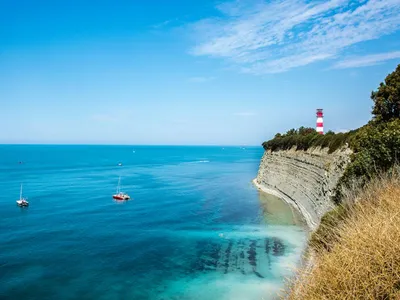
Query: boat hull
[117, 197]
[22, 203]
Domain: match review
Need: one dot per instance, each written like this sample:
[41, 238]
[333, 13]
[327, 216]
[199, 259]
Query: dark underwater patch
[278, 248]
[252, 253]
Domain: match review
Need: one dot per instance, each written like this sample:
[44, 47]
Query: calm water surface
[195, 229]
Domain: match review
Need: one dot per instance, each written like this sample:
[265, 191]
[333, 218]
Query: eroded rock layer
[305, 179]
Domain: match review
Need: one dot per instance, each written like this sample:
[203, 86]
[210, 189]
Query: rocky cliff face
[305, 179]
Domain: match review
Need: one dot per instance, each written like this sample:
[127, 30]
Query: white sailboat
[22, 201]
[120, 195]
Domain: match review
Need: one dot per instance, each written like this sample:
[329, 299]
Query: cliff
[305, 179]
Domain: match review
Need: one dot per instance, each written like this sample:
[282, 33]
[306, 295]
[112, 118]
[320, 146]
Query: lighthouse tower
[320, 121]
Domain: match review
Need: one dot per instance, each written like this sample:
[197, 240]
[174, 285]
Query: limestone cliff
[305, 179]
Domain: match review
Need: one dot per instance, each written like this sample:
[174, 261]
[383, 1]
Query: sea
[194, 228]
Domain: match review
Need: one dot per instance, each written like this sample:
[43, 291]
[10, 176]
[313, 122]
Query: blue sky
[189, 72]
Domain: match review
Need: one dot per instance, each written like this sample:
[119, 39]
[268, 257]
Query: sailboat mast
[119, 181]
[20, 193]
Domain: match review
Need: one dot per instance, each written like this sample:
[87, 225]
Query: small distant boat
[119, 164]
[120, 195]
[22, 201]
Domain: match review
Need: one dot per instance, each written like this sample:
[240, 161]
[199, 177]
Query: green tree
[291, 132]
[387, 98]
[330, 132]
[306, 130]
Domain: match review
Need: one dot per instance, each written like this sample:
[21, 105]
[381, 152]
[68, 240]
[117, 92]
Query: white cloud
[275, 36]
[200, 79]
[245, 114]
[367, 60]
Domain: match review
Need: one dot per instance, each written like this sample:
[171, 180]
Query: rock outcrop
[305, 179]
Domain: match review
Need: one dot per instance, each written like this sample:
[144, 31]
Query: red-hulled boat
[120, 195]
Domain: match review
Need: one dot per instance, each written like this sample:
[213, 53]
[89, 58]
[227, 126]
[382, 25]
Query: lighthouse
[320, 121]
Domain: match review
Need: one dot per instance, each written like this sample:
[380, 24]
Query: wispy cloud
[200, 79]
[270, 37]
[245, 114]
[367, 60]
[163, 24]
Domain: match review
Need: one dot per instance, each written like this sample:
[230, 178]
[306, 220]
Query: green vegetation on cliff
[306, 137]
[376, 149]
[376, 146]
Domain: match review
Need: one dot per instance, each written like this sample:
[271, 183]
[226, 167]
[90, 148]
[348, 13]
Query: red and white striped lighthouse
[320, 121]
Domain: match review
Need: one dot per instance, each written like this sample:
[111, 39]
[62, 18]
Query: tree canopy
[387, 98]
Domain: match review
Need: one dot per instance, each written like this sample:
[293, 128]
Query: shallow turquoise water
[195, 229]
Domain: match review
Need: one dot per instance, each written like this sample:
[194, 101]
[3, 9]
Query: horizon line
[155, 145]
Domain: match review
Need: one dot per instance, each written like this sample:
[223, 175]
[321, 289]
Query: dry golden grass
[364, 260]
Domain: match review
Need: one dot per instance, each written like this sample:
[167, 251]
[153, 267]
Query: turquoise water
[195, 228]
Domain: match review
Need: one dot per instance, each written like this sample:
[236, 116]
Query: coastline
[312, 223]
[307, 259]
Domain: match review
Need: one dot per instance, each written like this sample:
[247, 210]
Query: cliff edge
[304, 179]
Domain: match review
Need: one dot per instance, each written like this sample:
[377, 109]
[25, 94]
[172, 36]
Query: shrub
[305, 138]
[376, 149]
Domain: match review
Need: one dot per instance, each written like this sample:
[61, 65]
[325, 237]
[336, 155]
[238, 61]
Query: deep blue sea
[195, 227]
